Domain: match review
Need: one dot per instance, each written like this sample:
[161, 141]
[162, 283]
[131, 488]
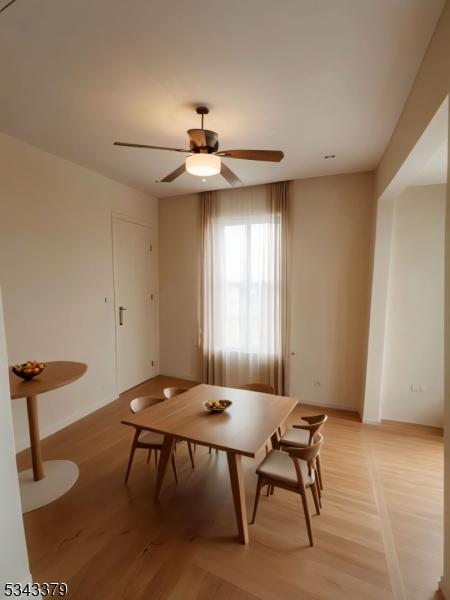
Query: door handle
[121, 309]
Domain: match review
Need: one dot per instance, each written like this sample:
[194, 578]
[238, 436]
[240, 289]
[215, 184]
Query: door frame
[435, 133]
[115, 217]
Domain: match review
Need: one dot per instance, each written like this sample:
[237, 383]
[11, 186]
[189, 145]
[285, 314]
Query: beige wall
[413, 373]
[180, 238]
[56, 271]
[430, 88]
[331, 231]
[331, 234]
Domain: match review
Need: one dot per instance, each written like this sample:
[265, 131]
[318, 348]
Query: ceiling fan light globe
[203, 165]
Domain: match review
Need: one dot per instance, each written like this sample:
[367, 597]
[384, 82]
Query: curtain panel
[243, 291]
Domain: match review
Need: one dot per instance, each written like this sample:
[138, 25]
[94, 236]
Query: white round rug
[60, 475]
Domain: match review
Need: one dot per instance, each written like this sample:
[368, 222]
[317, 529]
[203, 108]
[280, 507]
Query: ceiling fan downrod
[202, 111]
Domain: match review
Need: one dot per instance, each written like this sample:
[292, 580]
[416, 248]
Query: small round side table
[46, 481]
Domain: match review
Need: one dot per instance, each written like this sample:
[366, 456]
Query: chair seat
[279, 465]
[151, 438]
[295, 437]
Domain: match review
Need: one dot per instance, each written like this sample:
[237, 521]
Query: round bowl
[217, 406]
[28, 370]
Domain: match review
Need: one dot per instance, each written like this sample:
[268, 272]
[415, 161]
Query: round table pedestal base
[60, 475]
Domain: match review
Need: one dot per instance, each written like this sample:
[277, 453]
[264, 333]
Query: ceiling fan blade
[268, 155]
[129, 145]
[171, 176]
[6, 5]
[229, 175]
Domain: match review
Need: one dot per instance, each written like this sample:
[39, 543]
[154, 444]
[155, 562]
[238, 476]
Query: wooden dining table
[241, 430]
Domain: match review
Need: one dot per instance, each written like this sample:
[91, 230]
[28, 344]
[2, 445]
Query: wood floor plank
[379, 535]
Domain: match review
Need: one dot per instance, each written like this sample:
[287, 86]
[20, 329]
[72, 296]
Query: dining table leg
[238, 489]
[166, 455]
[35, 442]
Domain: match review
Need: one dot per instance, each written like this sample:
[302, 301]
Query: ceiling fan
[204, 157]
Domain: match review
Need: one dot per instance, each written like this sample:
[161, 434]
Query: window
[243, 281]
[248, 287]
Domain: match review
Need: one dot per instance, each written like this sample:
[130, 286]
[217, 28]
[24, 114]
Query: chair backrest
[138, 404]
[308, 454]
[258, 387]
[313, 419]
[170, 392]
[315, 424]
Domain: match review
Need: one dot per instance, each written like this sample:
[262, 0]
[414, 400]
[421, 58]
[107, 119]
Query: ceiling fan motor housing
[203, 140]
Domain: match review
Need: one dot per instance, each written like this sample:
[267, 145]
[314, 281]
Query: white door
[134, 278]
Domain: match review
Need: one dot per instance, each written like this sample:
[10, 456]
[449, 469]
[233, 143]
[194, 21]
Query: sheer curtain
[244, 285]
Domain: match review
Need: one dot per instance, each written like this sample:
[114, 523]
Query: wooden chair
[148, 440]
[301, 436]
[171, 392]
[293, 470]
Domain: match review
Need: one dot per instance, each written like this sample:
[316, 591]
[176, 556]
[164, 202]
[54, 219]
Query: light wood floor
[379, 536]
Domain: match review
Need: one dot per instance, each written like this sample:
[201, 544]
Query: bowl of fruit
[29, 369]
[217, 406]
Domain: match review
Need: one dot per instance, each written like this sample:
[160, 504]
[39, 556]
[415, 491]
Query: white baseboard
[371, 422]
[329, 405]
[445, 591]
[24, 442]
[178, 376]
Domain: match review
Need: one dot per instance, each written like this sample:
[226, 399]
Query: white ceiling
[309, 77]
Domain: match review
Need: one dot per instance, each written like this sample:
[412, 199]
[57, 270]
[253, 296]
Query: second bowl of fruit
[217, 406]
[29, 369]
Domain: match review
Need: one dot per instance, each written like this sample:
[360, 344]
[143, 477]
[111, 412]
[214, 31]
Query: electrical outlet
[417, 387]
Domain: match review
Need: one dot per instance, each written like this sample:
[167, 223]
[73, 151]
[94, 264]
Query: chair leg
[319, 472]
[210, 450]
[149, 455]
[258, 493]
[133, 449]
[191, 454]
[315, 496]
[270, 490]
[156, 459]
[319, 493]
[307, 518]
[174, 469]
